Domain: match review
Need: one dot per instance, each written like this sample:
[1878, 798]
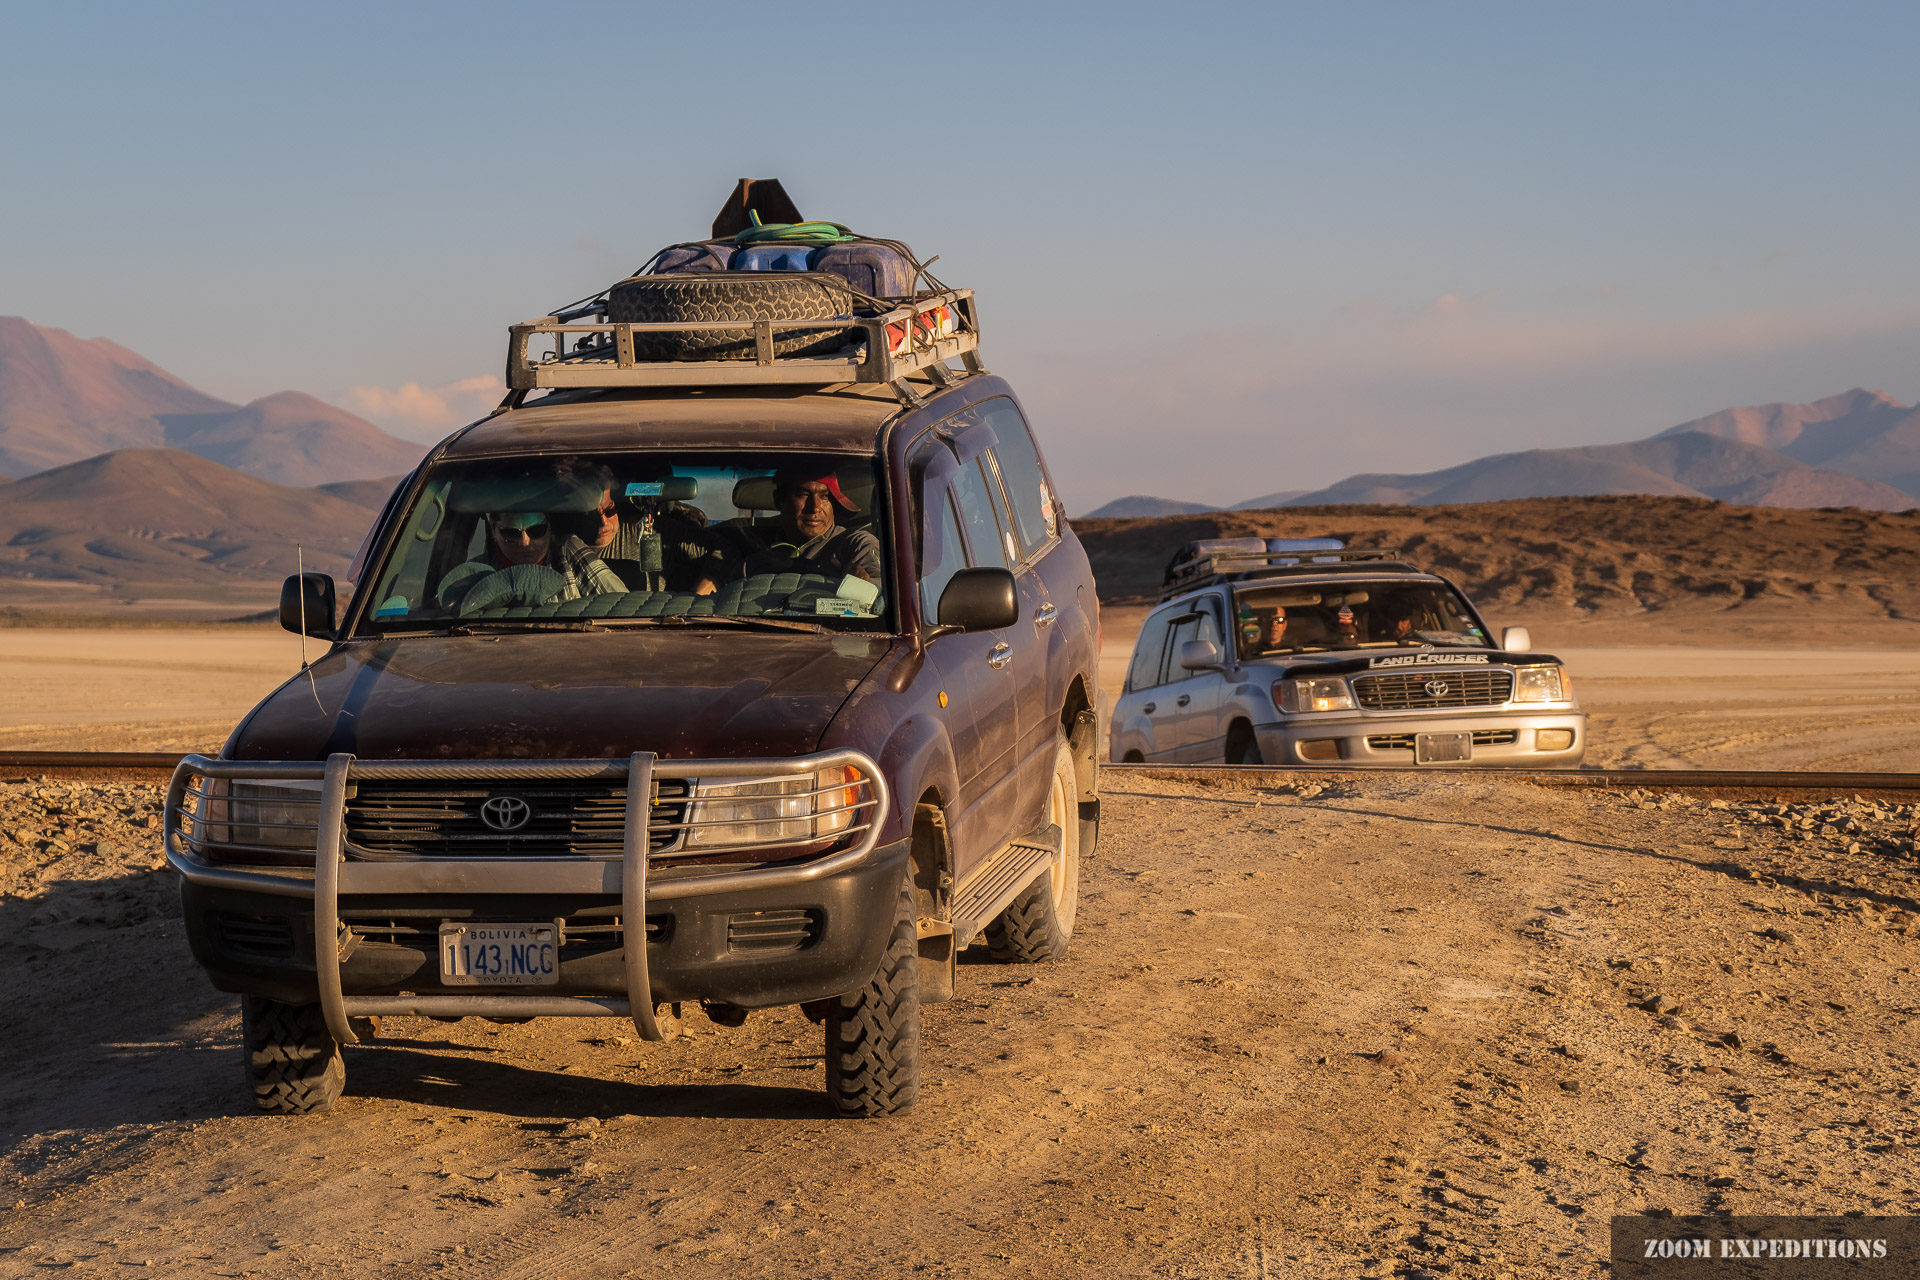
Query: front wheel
[873, 1034]
[1242, 746]
[293, 1063]
[1039, 924]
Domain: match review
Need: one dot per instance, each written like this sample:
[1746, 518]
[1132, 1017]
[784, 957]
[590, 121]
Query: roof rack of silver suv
[1200, 563]
[918, 336]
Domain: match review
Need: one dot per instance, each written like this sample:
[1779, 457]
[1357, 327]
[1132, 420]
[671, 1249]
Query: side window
[1145, 671]
[982, 516]
[1034, 514]
[1184, 629]
[952, 561]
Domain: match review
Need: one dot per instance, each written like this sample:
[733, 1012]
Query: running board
[1001, 879]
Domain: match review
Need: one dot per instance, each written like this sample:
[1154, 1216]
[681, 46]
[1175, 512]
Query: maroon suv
[798, 684]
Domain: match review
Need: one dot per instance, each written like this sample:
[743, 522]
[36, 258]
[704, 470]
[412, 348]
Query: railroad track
[14, 764]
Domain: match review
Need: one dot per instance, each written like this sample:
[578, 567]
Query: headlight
[1539, 684]
[791, 810]
[264, 815]
[1324, 693]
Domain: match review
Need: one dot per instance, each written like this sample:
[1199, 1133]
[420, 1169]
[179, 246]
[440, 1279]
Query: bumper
[360, 936]
[1502, 739]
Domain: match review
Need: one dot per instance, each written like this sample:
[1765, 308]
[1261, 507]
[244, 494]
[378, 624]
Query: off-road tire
[873, 1034]
[1039, 924]
[732, 295]
[1242, 746]
[293, 1063]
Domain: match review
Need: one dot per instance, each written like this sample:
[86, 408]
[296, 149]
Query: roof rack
[894, 344]
[1213, 560]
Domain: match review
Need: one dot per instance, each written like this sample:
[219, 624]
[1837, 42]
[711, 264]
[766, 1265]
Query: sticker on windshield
[840, 606]
[1431, 660]
[647, 489]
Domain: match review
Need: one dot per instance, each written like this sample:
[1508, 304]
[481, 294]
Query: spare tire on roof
[732, 295]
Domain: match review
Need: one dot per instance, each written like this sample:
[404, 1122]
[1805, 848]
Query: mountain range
[64, 398]
[1860, 449]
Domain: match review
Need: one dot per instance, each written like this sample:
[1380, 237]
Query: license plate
[507, 955]
[1438, 748]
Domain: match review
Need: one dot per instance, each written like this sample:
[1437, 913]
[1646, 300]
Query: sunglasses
[532, 532]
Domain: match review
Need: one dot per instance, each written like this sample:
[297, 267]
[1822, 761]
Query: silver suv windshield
[1353, 615]
[784, 541]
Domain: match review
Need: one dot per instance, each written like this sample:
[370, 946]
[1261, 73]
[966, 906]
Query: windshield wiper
[727, 620]
[479, 626]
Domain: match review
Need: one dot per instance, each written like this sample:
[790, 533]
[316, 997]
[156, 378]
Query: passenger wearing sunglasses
[517, 540]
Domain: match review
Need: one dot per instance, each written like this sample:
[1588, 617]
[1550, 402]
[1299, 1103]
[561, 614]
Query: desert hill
[160, 524]
[1140, 504]
[1860, 449]
[63, 399]
[1687, 464]
[293, 439]
[1862, 433]
[1692, 560]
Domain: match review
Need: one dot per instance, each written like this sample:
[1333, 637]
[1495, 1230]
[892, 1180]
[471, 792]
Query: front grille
[567, 819]
[787, 930]
[1481, 738]
[581, 936]
[258, 937]
[1409, 691]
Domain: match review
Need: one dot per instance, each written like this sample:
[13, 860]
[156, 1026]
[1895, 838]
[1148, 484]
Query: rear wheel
[293, 1063]
[873, 1034]
[1039, 924]
[1242, 746]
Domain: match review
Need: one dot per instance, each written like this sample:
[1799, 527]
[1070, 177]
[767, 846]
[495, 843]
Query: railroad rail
[14, 764]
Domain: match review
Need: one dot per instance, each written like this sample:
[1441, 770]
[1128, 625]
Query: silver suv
[1303, 652]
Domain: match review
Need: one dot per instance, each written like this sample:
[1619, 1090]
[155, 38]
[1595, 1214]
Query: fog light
[1552, 739]
[1319, 749]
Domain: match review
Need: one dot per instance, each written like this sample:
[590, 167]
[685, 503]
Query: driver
[1396, 618]
[1264, 632]
[516, 538]
[807, 498]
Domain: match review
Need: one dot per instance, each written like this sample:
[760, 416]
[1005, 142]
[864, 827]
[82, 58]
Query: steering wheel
[520, 584]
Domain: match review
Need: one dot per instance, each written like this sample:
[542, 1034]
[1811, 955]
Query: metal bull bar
[335, 874]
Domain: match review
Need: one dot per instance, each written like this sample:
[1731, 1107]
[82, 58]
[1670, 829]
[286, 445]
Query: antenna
[300, 567]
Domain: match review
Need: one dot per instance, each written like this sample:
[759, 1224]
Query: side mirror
[1200, 655]
[978, 600]
[1516, 640]
[308, 595]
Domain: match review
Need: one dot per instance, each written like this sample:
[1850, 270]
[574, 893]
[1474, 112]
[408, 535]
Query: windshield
[1353, 615]
[632, 539]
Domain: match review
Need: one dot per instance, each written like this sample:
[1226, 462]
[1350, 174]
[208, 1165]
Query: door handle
[1044, 615]
[1183, 700]
[1148, 708]
[1000, 655]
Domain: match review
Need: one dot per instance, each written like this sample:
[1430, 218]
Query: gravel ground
[1376, 1028]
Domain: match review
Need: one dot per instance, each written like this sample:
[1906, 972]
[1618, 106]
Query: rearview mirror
[1200, 655]
[308, 598]
[1516, 640]
[979, 600]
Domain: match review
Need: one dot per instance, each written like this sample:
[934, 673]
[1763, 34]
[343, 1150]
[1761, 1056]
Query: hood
[566, 695]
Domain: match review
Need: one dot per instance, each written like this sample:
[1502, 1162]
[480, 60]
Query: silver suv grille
[563, 819]
[1416, 690]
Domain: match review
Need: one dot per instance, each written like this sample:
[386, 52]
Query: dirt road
[1393, 1026]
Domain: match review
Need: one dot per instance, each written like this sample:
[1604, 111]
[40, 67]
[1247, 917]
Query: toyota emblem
[506, 813]
[1435, 689]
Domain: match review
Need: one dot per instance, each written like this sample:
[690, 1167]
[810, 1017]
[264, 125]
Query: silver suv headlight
[790, 810]
[1539, 684]
[1320, 693]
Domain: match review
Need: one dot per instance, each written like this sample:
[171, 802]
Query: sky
[1220, 250]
